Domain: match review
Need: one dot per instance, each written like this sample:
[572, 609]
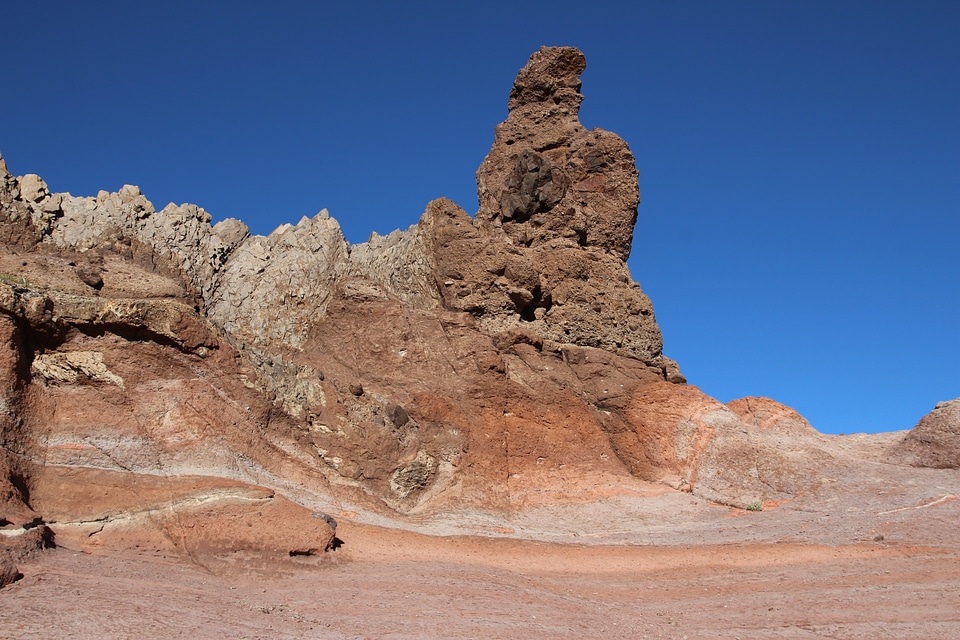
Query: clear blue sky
[799, 161]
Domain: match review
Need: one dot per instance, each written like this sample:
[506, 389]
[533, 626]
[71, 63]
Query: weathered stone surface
[15, 512]
[399, 264]
[17, 228]
[548, 178]
[33, 188]
[73, 366]
[273, 286]
[202, 517]
[558, 204]
[935, 440]
[767, 452]
[563, 292]
[180, 238]
[765, 413]
[414, 367]
[162, 319]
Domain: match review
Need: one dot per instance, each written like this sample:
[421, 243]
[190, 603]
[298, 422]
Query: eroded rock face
[768, 414]
[498, 362]
[547, 177]
[558, 290]
[558, 204]
[206, 518]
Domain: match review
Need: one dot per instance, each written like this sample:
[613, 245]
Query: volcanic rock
[547, 177]
[203, 517]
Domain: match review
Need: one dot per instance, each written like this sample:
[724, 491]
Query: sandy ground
[874, 555]
[398, 584]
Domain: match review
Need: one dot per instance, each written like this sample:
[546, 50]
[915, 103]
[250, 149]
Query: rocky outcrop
[22, 531]
[8, 571]
[415, 367]
[545, 251]
[547, 177]
[934, 441]
[497, 362]
[767, 414]
[179, 240]
[558, 204]
[558, 290]
[272, 286]
[203, 517]
[750, 450]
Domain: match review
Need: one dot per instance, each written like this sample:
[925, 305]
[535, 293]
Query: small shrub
[14, 280]
[756, 505]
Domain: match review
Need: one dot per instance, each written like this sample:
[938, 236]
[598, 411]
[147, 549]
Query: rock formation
[156, 370]
[935, 441]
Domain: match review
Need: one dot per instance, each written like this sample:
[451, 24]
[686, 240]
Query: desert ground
[879, 562]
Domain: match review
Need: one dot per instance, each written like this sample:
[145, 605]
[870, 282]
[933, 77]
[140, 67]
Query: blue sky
[799, 161]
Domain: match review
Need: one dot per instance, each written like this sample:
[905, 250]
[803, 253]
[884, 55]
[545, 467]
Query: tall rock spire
[546, 176]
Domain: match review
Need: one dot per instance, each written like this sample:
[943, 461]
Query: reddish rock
[197, 516]
[764, 413]
[546, 176]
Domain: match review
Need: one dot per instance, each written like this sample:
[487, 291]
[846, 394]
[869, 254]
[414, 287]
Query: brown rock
[465, 353]
[172, 388]
[558, 204]
[8, 571]
[560, 291]
[935, 440]
[90, 277]
[546, 176]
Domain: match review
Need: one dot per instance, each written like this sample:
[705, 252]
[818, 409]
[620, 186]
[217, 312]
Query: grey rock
[270, 288]
[33, 188]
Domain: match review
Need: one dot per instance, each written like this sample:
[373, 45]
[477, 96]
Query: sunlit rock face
[501, 361]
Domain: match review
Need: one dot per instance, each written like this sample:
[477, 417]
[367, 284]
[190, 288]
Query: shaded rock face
[935, 441]
[562, 292]
[497, 362]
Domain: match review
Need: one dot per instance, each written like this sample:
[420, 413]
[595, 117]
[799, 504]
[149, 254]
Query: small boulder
[33, 188]
[8, 571]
